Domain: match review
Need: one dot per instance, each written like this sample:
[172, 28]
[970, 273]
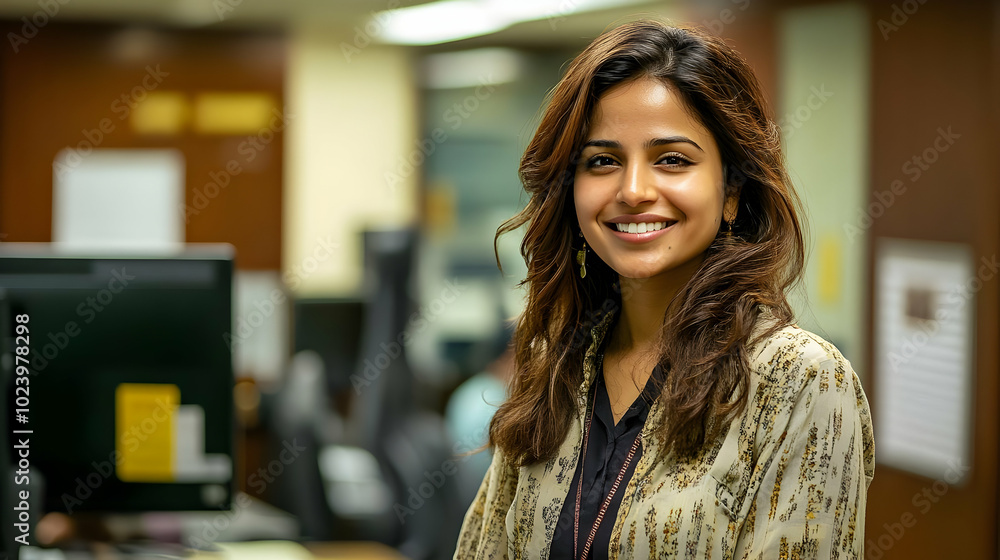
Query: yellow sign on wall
[233, 112]
[161, 112]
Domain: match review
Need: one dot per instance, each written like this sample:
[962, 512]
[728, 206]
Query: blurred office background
[359, 156]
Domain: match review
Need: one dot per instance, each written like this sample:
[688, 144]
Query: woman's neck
[644, 305]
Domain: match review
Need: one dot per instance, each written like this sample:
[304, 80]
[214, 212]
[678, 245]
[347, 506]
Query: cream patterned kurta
[787, 479]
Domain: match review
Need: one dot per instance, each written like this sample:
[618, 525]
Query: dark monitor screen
[332, 328]
[131, 382]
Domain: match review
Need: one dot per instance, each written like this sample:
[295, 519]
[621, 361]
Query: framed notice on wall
[925, 302]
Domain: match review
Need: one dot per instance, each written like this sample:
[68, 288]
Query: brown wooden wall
[68, 79]
[939, 69]
[751, 30]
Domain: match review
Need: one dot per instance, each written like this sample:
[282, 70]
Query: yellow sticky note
[830, 270]
[144, 431]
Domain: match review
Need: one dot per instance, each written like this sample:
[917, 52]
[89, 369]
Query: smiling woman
[645, 152]
[665, 402]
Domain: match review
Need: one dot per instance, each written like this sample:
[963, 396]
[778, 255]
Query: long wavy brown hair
[707, 327]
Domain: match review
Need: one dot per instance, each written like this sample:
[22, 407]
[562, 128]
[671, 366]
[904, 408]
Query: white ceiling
[338, 15]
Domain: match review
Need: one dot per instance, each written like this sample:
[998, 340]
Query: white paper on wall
[118, 199]
[925, 297]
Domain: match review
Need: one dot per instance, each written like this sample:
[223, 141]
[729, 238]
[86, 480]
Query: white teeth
[640, 228]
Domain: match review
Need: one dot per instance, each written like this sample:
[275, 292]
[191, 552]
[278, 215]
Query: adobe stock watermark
[87, 310]
[582, 335]
[364, 37]
[264, 308]
[434, 480]
[249, 149]
[794, 120]
[956, 299]
[558, 14]
[913, 168]
[132, 440]
[455, 116]
[923, 501]
[258, 481]
[223, 7]
[726, 17]
[900, 15]
[122, 106]
[419, 320]
[48, 9]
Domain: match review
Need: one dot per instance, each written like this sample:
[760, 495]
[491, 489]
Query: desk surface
[353, 551]
[288, 550]
[251, 550]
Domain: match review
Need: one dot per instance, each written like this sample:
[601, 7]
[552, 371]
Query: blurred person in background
[472, 405]
[665, 402]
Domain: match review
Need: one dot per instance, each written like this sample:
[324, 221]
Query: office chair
[411, 444]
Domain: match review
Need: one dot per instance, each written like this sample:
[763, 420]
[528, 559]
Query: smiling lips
[640, 227]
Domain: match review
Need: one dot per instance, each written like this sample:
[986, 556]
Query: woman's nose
[636, 186]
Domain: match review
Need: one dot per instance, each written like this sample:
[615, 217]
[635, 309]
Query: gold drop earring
[581, 257]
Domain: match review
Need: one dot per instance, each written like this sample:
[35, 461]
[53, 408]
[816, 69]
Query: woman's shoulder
[792, 358]
[799, 380]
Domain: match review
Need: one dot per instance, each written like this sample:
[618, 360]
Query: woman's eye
[675, 160]
[599, 161]
[670, 160]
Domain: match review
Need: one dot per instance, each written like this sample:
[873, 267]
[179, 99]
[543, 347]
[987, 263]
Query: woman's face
[647, 166]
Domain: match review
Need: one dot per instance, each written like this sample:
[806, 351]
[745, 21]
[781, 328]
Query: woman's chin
[638, 272]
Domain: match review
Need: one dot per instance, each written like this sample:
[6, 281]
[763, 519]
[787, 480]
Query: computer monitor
[129, 387]
[332, 328]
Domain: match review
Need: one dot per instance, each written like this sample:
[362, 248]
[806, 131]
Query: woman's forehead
[644, 107]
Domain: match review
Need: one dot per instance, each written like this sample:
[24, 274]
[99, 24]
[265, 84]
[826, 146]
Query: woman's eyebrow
[649, 144]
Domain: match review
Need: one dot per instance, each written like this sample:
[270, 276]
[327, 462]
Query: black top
[606, 451]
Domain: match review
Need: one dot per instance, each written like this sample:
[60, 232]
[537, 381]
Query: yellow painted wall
[354, 118]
